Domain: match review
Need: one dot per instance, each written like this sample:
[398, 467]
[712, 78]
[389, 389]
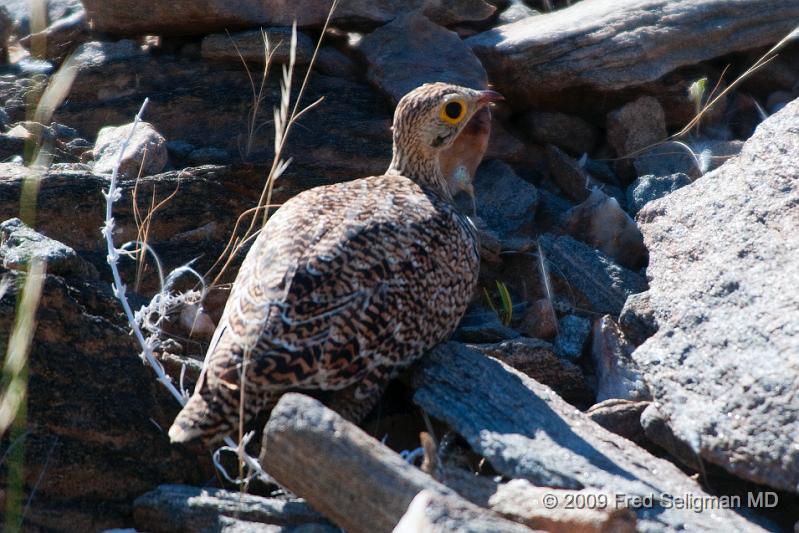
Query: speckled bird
[347, 284]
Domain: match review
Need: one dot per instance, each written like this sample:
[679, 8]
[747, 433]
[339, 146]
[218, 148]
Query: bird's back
[343, 280]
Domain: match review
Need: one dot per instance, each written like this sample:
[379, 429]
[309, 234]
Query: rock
[126, 17]
[617, 375]
[724, 267]
[537, 359]
[185, 508]
[144, 155]
[648, 188]
[483, 326]
[504, 201]
[635, 126]
[539, 321]
[569, 175]
[622, 417]
[567, 132]
[62, 36]
[592, 277]
[637, 319]
[573, 332]
[19, 244]
[249, 46]
[6, 26]
[215, 113]
[526, 431]
[507, 146]
[331, 62]
[668, 159]
[94, 413]
[398, 63]
[607, 45]
[516, 11]
[777, 100]
[601, 222]
[712, 153]
[10, 146]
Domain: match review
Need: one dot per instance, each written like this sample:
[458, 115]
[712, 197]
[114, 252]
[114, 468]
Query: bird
[347, 284]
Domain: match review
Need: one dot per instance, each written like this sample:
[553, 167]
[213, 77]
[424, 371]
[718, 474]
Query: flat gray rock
[610, 45]
[144, 154]
[525, 430]
[724, 290]
[131, 17]
[412, 50]
[505, 202]
[249, 46]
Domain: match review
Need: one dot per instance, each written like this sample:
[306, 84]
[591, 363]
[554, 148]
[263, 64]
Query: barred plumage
[349, 283]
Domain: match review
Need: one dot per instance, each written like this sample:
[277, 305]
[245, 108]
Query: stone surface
[482, 325]
[526, 431]
[668, 159]
[573, 332]
[215, 113]
[567, 132]
[636, 125]
[145, 153]
[398, 63]
[186, 508]
[516, 11]
[537, 359]
[648, 188]
[505, 202]
[592, 277]
[19, 244]
[622, 417]
[539, 320]
[616, 373]
[724, 267]
[127, 17]
[94, 414]
[609, 45]
[601, 222]
[249, 45]
[575, 182]
[637, 318]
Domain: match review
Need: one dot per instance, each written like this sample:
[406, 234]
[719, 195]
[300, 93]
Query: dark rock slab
[537, 359]
[19, 245]
[526, 431]
[249, 46]
[609, 45]
[128, 17]
[94, 414]
[505, 202]
[208, 105]
[573, 332]
[567, 132]
[592, 276]
[399, 58]
[724, 272]
[187, 508]
[648, 188]
[622, 417]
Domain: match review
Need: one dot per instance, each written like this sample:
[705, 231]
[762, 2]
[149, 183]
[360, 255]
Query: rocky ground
[636, 333]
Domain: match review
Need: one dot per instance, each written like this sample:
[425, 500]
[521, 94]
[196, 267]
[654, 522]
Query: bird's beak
[486, 97]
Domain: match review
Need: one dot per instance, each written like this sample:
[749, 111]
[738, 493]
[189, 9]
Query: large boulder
[723, 367]
[399, 58]
[130, 17]
[609, 45]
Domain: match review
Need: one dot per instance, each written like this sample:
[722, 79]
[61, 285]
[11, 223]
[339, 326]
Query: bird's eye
[453, 111]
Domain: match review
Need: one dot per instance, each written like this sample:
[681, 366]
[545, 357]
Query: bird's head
[427, 121]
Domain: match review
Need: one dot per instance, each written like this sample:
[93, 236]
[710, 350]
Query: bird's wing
[328, 272]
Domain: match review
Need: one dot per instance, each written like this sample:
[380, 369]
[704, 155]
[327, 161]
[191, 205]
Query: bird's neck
[423, 168]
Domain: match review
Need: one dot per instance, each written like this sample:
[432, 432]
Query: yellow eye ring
[453, 111]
